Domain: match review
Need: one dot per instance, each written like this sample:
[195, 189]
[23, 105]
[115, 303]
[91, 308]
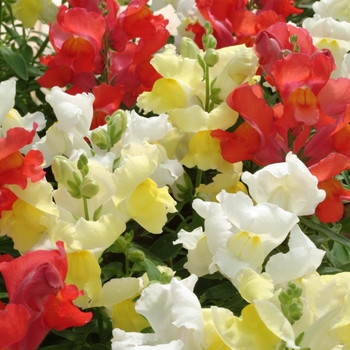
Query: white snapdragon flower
[289, 185]
[237, 234]
[7, 94]
[337, 9]
[74, 115]
[328, 33]
[302, 259]
[174, 313]
[10, 118]
[151, 130]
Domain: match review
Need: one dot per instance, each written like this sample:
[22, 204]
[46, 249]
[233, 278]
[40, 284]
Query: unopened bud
[120, 245]
[99, 137]
[89, 188]
[188, 48]
[136, 255]
[83, 164]
[208, 28]
[211, 57]
[116, 125]
[129, 236]
[66, 174]
[296, 310]
[284, 298]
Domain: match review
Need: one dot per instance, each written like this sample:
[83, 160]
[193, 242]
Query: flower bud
[165, 278]
[100, 138]
[294, 290]
[83, 164]
[129, 236]
[295, 311]
[120, 245]
[116, 125]
[89, 188]
[284, 298]
[136, 255]
[208, 28]
[66, 174]
[211, 57]
[188, 48]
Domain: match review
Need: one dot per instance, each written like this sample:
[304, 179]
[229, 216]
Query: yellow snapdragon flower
[84, 272]
[205, 153]
[30, 11]
[31, 215]
[149, 205]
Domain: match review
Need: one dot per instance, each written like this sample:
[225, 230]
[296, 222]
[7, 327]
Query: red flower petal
[332, 208]
[60, 313]
[13, 324]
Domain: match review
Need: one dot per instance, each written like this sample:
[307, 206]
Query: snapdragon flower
[302, 259]
[138, 196]
[30, 216]
[328, 33]
[174, 313]
[29, 12]
[238, 234]
[74, 116]
[36, 281]
[289, 185]
[337, 9]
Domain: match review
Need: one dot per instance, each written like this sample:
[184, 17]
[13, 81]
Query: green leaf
[326, 232]
[164, 248]
[345, 223]
[97, 347]
[341, 253]
[3, 295]
[152, 272]
[15, 61]
[13, 34]
[345, 267]
[221, 291]
[58, 347]
[327, 270]
[111, 270]
[70, 335]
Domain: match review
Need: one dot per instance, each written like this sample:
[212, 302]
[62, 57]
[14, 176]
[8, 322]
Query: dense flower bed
[173, 175]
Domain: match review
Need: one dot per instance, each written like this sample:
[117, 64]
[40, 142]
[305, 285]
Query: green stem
[100, 326]
[86, 209]
[183, 219]
[207, 88]
[127, 264]
[0, 11]
[199, 177]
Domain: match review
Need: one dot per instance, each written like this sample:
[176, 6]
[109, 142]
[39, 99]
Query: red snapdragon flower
[255, 138]
[332, 208]
[107, 101]
[37, 293]
[274, 43]
[77, 40]
[16, 169]
[94, 45]
[313, 116]
[281, 7]
[233, 23]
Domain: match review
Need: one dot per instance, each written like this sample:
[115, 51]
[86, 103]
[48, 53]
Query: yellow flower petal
[85, 272]
[149, 205]
[205, 153]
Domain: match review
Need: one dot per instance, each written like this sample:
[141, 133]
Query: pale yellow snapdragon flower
[30, 216]
[181, 93]
[30, 11]
[138, 196]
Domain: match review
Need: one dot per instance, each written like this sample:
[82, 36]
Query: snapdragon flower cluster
[189, 194]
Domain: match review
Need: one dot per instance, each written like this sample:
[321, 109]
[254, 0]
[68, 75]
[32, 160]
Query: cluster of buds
[75, 177]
